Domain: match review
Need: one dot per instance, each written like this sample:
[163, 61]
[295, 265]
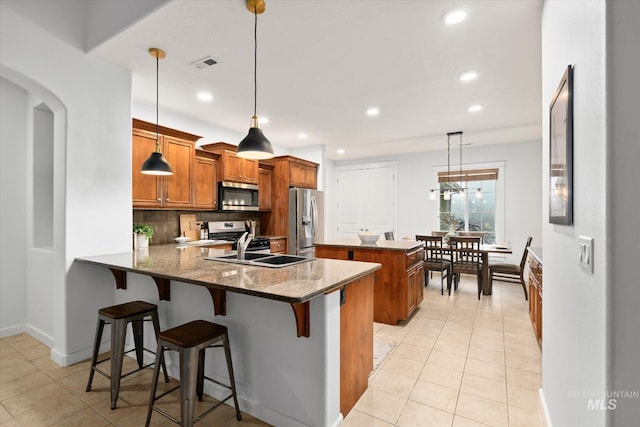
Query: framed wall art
[561, 152]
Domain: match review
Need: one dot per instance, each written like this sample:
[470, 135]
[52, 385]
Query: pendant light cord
[255, 62]
[448, 161]
[157, 97]
[460, 157]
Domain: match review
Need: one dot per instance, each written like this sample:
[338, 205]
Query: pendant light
[449, 191]
[255, 145]
[156, 164]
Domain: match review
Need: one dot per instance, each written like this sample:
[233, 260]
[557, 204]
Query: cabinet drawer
[278, 245]
[414, 258]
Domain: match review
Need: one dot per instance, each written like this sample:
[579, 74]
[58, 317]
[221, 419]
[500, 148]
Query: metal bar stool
[118, 316]
[190, 341]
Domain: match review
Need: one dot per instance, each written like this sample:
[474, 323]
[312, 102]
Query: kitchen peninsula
[398, 285]
[289, 364]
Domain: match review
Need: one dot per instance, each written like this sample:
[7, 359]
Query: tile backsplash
[167, 222]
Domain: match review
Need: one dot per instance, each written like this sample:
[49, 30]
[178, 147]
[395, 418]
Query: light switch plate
[585, 253]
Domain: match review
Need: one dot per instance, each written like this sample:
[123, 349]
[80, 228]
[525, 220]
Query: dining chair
[434, 260]
[439, 233]
[479, 234]
[466, 258]
[512, 273]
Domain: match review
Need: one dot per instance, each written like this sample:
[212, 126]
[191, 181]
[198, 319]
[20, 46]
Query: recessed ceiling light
[205, 96]
[373, 111]
[340, 151]
[455, 17]
[475, 108]
[302, 135]
[469, 75]
[263, 120]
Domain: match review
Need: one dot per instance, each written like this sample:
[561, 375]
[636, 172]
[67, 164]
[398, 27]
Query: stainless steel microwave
[237, 196]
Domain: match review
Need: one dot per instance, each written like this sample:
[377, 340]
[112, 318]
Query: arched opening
[32, 147]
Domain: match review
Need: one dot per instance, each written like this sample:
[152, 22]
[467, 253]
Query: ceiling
[323, 63]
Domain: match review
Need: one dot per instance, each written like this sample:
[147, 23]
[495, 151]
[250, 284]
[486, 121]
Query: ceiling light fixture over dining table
[455, 188]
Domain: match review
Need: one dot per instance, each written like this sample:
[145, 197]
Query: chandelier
[452, 187]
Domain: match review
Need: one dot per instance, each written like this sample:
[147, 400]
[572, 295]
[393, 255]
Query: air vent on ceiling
[204, 62]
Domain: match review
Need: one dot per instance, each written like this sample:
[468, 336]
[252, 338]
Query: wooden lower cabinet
[398, 285]
[356, 341]
[535, 296]
[415, 287]
[278, 245]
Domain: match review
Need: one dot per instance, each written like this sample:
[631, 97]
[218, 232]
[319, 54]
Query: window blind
[468, 175]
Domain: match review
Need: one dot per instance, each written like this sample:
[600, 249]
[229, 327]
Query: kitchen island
[290, 364]
[398, 285]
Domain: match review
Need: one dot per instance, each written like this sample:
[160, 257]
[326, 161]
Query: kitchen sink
[283, 260]
[248, 256]
[263, 260]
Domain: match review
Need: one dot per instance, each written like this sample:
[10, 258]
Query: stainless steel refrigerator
[305, 221]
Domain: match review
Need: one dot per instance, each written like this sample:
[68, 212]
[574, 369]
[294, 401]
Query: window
[471, 202]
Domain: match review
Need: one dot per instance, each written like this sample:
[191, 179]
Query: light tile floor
[34, 391]
[457, 362]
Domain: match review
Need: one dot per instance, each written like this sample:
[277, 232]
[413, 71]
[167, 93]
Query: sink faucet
[243, 243]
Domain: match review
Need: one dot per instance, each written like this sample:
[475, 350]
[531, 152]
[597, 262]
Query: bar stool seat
[118, 316]
[191, 340]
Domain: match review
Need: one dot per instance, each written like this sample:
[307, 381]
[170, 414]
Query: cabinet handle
[159, 199]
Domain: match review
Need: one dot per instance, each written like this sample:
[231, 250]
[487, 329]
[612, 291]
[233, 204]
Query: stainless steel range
[231, 231]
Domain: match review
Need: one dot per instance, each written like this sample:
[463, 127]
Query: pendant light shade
[255, 145]
[156, 164]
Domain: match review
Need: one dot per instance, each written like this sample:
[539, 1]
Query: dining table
[486, 250]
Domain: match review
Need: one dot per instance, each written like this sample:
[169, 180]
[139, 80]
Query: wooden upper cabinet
[265, 178]
[146, 189]
[173, 191]
[179, 187]
[288, 171]
[206, 181]
[303, 174]
[232, 167]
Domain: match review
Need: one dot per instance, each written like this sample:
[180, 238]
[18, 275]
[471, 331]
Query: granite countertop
[294, 284]
[399, 245]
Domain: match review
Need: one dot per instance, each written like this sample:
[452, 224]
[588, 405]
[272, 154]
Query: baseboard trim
[43, 337]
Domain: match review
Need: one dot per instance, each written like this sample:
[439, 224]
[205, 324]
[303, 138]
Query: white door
[366, 200]
[351, 202]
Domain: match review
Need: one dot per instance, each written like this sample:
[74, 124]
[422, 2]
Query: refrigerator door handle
[314, 216]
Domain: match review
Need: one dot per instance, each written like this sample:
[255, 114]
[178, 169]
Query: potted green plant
[142, 234]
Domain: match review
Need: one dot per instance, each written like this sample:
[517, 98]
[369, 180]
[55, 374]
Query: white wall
[13, 221]
[417, 214]
[574, 357]
[623, 67]
[209, 132]
[91, 102]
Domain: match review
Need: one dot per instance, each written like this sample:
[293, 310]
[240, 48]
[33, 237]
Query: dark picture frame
[561, 152]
